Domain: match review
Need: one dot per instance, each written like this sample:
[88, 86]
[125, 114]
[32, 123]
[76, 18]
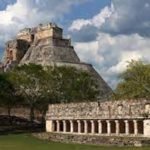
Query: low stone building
[108, 118]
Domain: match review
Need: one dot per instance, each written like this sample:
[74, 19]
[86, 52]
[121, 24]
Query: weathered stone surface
[95, 110]
[14, 52]
[46, 54]
[94, 140]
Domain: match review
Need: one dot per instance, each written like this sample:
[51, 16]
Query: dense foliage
[135, 82]
[8, 94]
[35, 87]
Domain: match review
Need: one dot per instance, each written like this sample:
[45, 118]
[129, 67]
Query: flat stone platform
[94, 139]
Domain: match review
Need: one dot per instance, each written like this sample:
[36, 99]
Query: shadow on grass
[16, 125]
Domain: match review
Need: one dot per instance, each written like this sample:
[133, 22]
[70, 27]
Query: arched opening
[113, 127]
[104, 127]
[131, 127]
[32, 37]
[89, 126]
[82, 126]
[54, 126]
[61, 126]
[68, 126]
[122, 126]
[75, 126]
[140, 127]
[10, 55]
[96, 126]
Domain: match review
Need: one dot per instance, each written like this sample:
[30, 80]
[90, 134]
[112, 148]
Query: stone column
[71, 126]
[85, 127]
[108, 127]
[64, 126]
[146, 127]
[79, 126]
[53, 126]
[126, 127]
[92, 127]
[58, 125]
[117, 127]
[99, 126]
[49, 126]
[135, 127]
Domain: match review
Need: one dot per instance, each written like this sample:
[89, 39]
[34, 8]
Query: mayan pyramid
[46, 45]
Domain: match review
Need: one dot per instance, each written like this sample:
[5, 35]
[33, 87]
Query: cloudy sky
[105, 33]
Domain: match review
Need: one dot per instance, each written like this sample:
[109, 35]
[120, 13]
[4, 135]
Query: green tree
[72, 85]
[8, 95]
[28, 81]
[135, 81]
[42, 86]
[64, 85]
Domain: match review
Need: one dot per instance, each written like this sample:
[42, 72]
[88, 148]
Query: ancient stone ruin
[46, 45]
[93, 120]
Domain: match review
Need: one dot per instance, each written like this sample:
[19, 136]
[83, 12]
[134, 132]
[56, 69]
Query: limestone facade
[110, 118]
[40, 32]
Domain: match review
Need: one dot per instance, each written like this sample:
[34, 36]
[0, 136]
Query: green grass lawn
[27, 142]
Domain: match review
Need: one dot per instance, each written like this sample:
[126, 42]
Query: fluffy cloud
[96, 21]
[119, 33]
[129, 16]
[24, 13]
[85, 30]
[122, 17]
[110, 55]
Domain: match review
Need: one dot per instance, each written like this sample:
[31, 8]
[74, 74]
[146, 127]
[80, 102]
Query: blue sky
[4, 3]
[105, 33]
[85, 10]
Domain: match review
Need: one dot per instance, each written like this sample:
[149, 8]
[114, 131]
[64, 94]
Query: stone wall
[15, 50]
[104, 110]
[57, 32]
[94, 140]
[53, 42]
[61, 42]
[47, 55]
[21, 113]
[40, 32]
[44, 34]
[48, 31]
[26, 37]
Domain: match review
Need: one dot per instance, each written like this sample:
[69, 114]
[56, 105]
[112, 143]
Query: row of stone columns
[100, 126]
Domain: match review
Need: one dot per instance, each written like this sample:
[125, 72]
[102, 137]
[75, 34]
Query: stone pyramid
[45, 45]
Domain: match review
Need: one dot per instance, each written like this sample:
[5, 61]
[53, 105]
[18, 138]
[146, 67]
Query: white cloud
[116, 35]
[125, 58]
[96, 21]
[78, 24]
[26, 13]
[110, 55]
[89, 51]
[129, 17]
[122, 17]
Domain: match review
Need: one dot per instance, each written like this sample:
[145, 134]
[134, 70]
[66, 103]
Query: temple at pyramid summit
[45, 45]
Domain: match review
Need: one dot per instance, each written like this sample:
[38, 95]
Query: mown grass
[27, 142]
